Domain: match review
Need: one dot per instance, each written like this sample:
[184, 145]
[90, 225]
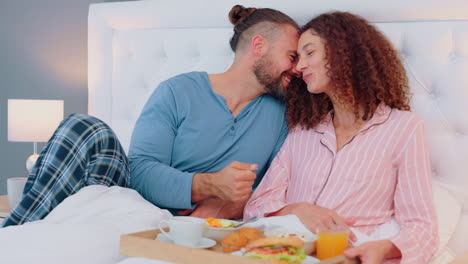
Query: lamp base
[30, 162]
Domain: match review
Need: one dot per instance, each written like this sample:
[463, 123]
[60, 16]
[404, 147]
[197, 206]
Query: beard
[263, 70]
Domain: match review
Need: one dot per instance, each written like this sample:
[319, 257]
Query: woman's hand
[313, 216]
[373, 252]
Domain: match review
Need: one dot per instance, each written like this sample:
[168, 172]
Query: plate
[203, 243]
[308, 260]
[218, 233]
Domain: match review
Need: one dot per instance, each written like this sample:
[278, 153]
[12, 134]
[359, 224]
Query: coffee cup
[183, 230]
[15, 187]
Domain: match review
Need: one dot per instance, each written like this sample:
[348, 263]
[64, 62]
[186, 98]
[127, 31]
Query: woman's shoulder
[300, 132]
[404, 115]
[407, 122]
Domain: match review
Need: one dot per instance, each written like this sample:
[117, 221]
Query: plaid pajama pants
[83, 151]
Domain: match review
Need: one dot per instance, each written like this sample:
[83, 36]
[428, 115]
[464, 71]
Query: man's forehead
[290, 39]
[291, 31]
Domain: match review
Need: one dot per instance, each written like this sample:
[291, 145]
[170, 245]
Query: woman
[355, 155]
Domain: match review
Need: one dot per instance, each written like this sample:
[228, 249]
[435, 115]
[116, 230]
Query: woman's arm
[414, 207]
[414, 210]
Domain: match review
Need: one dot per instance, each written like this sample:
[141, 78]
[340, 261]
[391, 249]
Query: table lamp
[33, 121]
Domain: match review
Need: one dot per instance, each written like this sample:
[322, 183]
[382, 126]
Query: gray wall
[43, 55]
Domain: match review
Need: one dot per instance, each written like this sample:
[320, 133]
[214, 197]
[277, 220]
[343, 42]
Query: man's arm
[151, 152]
[150, 158]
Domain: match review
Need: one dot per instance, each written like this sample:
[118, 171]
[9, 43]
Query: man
[201, 138]
[201, 142]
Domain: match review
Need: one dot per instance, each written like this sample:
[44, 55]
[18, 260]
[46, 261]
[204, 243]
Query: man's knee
[85, 119]
[82, 124]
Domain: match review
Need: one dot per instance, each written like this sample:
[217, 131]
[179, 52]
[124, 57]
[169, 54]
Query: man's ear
[259, 45]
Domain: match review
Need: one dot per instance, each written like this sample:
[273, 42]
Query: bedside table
[4, 206]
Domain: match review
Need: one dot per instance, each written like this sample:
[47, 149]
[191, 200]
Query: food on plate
[237, 240]
[308, 238]
[234, 242]
[277, 249]
[299, 235]
[221, 223]
[250, 232]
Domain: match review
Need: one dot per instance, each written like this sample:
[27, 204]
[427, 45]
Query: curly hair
[363, 67]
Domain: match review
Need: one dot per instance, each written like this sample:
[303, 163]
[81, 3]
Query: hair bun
[239, 13]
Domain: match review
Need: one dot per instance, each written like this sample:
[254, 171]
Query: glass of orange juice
[331, 242]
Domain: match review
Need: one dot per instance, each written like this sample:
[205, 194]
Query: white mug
[15, 187]
[184, 230]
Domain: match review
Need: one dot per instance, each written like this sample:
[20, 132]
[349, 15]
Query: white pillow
[459, 241]
[448, 201]
[443, 256]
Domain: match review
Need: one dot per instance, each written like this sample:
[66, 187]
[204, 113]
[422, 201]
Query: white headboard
[133, 46]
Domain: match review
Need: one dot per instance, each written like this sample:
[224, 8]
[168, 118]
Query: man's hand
[217, 208]
[373, 252]
[313, 216]
[233, 183]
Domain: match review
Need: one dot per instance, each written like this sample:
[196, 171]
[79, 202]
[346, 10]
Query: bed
[132, 46]
[135, 45]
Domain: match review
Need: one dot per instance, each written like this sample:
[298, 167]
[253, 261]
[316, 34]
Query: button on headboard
[135, 45]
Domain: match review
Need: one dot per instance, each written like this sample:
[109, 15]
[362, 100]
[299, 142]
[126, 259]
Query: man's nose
[294, 71]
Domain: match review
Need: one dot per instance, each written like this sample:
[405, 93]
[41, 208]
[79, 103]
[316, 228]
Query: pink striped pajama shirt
[383, 171]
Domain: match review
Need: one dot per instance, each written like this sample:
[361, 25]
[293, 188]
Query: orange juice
[331, 243]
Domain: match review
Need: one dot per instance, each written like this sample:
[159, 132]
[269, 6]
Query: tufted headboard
[133, 46]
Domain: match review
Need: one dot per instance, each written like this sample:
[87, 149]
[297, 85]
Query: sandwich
[285, 250]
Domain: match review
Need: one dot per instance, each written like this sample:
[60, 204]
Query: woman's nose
[300, 65]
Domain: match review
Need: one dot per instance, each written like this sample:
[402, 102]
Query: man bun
[239, 13]
[245, 18]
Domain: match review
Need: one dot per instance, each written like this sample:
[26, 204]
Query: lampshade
[33, 120]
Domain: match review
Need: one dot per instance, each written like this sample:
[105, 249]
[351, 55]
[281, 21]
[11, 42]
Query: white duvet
[84, 228]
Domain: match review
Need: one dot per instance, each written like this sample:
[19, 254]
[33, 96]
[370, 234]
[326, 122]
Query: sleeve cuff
[404, 244]
[185, 192]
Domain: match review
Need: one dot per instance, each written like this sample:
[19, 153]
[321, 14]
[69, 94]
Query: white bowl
[218, 233]
[308, 238]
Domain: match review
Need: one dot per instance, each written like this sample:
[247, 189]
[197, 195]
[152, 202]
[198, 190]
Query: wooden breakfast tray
[143, 244]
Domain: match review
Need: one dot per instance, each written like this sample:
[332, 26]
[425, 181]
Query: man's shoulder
[273, 104]
[184, 79]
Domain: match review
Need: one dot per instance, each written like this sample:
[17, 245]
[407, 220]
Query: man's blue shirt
[186, 128]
